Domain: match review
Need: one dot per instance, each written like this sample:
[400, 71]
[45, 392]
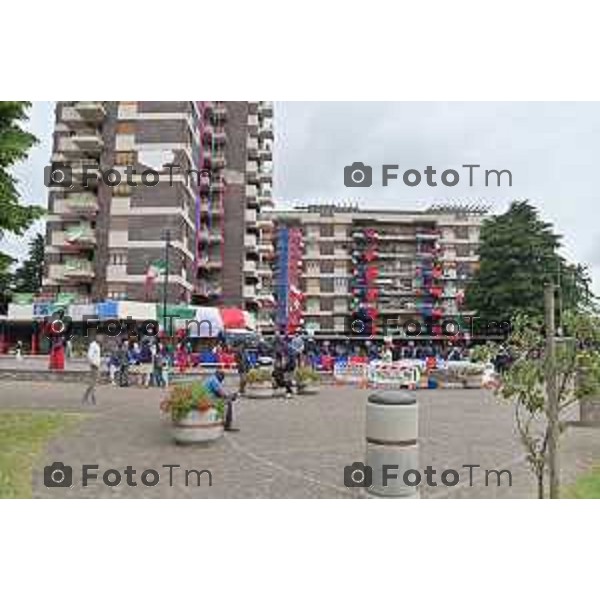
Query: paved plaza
[294, 448]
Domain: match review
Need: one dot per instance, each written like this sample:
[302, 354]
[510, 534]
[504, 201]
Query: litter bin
[392, 448]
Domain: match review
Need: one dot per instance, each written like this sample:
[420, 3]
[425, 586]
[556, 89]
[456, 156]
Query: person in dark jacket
[280, 374]
[243, 366]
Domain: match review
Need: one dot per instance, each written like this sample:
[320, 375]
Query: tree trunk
[540, 483]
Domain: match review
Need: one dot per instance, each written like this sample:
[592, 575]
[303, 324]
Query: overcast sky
[550, 148]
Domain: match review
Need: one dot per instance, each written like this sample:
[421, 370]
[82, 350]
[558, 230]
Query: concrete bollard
[392, 432]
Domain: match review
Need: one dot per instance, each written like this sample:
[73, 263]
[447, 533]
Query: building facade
[375, 267]
[214, 165]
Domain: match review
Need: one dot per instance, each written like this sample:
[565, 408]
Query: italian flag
[155, 270]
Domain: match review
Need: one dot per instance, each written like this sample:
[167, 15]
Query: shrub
[258, 376]
[184, 398]
[306, 375]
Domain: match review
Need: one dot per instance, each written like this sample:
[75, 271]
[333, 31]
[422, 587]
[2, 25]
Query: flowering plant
[184, 398]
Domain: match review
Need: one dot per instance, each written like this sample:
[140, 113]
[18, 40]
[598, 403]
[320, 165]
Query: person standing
[94, 356]
[241, 358]
[19, 350]
[122, 364]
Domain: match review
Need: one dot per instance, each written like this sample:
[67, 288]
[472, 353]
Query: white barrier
[349, 373]
[402, 374]
[392, 447]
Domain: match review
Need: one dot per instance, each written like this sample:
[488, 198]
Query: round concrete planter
[473, 381]
[310, 389]
[259, 391]
[198, 427]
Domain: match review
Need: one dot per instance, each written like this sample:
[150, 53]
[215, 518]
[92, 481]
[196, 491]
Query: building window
[123, 189]
[326, 230]
[327, 266]
[326, 323]
[125, 158]
[326, 285]
[327, 249]
[126, 127]
[118, 258]
[327, 304]
[461, 233]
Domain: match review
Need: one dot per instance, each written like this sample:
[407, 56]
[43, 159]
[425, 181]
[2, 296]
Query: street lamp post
[166, 279]
[551, 389]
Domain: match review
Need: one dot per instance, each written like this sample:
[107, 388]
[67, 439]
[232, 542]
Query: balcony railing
[82, 269]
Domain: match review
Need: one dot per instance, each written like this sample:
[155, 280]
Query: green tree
[28, 277]
[15, 143]
[518, 254]
[5, 280]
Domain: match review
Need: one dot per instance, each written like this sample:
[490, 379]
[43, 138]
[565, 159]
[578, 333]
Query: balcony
[217, 161]
[264, 270]
[253, 124]
[265, 222]
[76, 204]
[252, 170]
[83, 113]
[251, 190]
[266, 248]
[266, 129]
[73, 269]
[91, 170]
[219, 113]
[251, 216]
[250, 241]
[92, 111]
[250, 267]
[265, 152]
[249, 292]
[88, 142]
[265, 199]
[252, 147]
[265, 174]
[219, 136]
[206, 236]
[209, 264]
[217, 186]
[74, 238]
[265, 108]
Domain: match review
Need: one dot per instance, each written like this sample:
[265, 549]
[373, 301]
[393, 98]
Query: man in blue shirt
[214, 386]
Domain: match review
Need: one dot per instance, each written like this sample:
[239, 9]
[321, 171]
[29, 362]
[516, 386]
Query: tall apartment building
[380, 265]
[102, 239]
[235, 236]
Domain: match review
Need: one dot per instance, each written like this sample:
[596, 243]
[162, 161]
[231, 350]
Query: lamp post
[551, 390]
[166, 278]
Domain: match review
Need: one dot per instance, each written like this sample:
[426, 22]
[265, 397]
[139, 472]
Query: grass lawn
[587, 486]
[23, 435]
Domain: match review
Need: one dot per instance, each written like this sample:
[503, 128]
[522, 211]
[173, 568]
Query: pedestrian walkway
[295, 448]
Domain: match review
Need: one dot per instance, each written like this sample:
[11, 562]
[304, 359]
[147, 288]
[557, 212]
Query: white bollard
[392, 448]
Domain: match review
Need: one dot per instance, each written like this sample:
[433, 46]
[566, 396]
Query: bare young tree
[577, 371]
